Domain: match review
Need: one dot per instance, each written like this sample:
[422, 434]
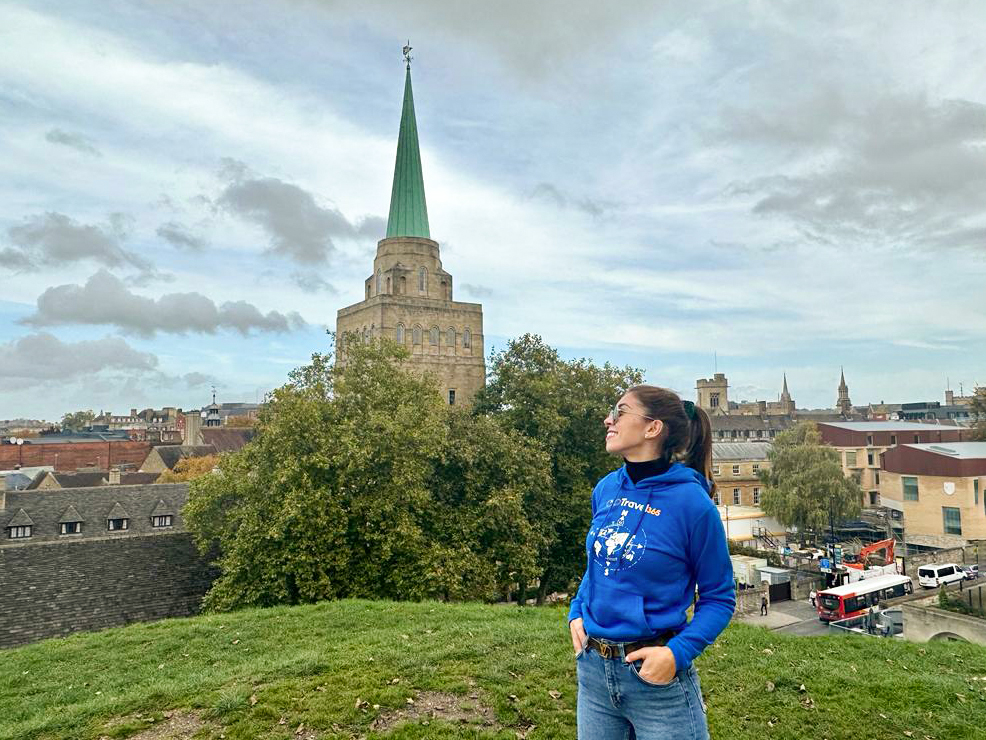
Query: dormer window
[161, 521]
[118, 520]
[20, 533]
[70, 522]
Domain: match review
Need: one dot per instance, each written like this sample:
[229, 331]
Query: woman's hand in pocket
[578, 634]
[658, 666]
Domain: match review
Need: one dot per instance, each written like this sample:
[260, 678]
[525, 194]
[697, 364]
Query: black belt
[611, 650]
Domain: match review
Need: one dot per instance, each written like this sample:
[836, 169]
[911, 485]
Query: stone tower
[408, 297]
[713, 394]
[843, 404]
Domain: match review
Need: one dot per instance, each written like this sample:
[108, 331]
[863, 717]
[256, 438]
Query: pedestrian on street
[811, 597]
[655, 535]
[763, 605]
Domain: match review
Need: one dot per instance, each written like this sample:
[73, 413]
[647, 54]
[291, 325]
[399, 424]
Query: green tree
[77, 420]
[483, 538]
[804, 486]
[560, 405]
[979, 414]
[360, 483]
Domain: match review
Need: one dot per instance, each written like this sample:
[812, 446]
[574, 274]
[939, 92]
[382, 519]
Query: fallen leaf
[253, 699]
[770, 686]
[282, 721]
[410, 700]
[554, 694]
[300, 728]
[802, 688]
[768, 651]
[512, 697]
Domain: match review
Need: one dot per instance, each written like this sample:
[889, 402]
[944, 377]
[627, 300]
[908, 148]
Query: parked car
[971, 572]
[935, 574]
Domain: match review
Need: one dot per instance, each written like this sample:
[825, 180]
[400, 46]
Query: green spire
[408, 210]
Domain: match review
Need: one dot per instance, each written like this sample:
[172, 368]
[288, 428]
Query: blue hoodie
[648, 547]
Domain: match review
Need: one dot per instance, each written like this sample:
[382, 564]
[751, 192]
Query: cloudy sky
[190, 191]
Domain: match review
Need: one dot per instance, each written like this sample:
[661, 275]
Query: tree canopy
[189, 468]
[77, 420]
[804, 487]
[361, 482]
[979, 413]
[560, 405]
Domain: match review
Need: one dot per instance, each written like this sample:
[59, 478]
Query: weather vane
[407, 53]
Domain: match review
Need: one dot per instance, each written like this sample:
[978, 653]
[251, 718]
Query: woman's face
[633, 435]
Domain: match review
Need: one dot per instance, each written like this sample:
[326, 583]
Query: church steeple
[408, 210]
[785, 396]
[843, 403]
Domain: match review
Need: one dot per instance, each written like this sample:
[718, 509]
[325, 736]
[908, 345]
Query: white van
[935, 574]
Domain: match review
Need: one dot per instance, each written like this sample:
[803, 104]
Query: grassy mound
[352, 669]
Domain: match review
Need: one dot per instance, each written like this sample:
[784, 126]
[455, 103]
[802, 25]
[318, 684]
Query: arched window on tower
[466, 339]
[402, 286]
[379, 276]
[450, 338]
[367, 289]
[399, 334]
[388, 285]
[446, 293]
[423, 280]
[416, 335]
[434, 336]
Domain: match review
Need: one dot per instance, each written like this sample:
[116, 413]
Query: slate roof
[226, 440]
[740, 450]
[90, 478]
[21, 519]
[118, 512]
[171, 454]
[71, 515]
[45, 510]
[163, 509]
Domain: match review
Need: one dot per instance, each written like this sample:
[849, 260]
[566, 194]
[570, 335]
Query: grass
[348, 669]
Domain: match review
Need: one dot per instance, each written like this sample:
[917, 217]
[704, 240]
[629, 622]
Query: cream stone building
[736, 468]
[409, 295]
[861, 443]
[940, 488]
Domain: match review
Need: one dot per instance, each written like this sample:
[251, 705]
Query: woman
[655, 536]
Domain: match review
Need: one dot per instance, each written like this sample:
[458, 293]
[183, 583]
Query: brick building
[66, 453]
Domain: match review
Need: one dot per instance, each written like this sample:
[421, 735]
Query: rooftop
[885, 426]
[740, 450]
[956, 450]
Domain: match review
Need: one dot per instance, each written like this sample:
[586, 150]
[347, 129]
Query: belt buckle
[606, 650]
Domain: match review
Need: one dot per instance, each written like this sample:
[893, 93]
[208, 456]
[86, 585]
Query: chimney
[133, 412]
[114, 477]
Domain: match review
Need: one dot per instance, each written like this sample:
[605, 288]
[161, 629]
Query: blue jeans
[615, 703]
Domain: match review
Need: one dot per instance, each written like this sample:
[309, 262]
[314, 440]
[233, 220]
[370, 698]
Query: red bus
[856, 598]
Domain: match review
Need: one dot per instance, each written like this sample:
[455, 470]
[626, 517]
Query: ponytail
[698, 456]
[689, 431]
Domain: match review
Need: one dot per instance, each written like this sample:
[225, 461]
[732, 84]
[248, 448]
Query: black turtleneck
[640, 470]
